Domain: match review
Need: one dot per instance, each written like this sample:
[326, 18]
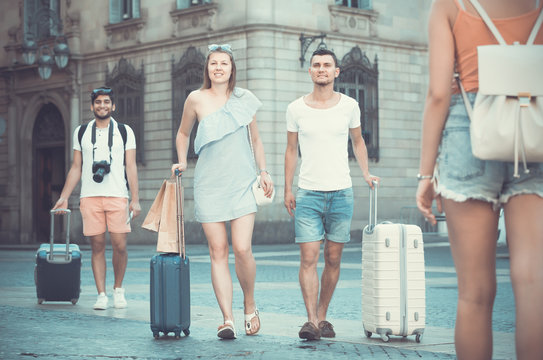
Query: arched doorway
[48, 168]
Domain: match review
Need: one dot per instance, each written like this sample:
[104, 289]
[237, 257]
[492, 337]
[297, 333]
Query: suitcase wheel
[156, 335]
[74, 301]
[186, 332]
[40, 301]
[385, 337]
[418, 337]
[367, 333]
[178, 335]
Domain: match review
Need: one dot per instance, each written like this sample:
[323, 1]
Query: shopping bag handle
[180, 218]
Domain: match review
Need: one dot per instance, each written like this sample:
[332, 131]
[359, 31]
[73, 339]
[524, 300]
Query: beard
[102, 117]
[323, 83]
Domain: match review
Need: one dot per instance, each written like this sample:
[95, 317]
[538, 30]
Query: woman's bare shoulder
[445, 9]
[197, 97]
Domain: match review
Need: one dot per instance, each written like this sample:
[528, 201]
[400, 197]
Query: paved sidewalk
[64, 331]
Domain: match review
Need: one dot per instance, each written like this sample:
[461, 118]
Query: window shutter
[30, 9]
[135, 9]
[114, 11]
[183, 4]
[365, 4]
[55, 6]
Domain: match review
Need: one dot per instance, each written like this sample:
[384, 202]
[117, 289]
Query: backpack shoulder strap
[535, 30]
[122, 130]
[82, 129]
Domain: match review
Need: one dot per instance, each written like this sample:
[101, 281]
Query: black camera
[100, 168]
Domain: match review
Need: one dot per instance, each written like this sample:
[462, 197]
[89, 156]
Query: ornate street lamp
[305, 41]
[45, 62]
[29, 49]
[60, 54]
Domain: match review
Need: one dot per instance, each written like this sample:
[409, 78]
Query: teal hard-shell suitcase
[57, 273]
[170, 284]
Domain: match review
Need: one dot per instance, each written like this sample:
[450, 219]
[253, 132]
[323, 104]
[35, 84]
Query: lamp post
[45, 18]
[305, 41]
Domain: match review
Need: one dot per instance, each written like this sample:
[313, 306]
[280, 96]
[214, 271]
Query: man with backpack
[105, 160]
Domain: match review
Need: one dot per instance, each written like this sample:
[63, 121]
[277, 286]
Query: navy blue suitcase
[57, 273]
[170, 284]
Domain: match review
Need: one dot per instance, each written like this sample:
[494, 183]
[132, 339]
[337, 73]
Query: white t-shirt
[114, 183]
[323, 137]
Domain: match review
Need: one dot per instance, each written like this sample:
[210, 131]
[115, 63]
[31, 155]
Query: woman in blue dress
[223, 178]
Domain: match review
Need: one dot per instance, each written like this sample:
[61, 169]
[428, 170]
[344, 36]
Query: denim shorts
[323, 215]
[461, 176]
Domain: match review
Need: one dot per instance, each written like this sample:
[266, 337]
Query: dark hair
[322, 51]
[103, 90]
[231, 81]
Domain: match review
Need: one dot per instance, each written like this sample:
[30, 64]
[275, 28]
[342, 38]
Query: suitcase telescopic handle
[68, 212]
[373, 207]
[180, 218]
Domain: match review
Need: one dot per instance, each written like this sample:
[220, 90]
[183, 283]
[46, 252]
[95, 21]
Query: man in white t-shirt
[323, 207]
[102, 154]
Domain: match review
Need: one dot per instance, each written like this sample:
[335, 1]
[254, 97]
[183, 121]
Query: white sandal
[227, 330]
[249, 324]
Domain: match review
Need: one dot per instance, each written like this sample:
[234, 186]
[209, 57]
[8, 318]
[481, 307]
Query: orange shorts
[100, 211]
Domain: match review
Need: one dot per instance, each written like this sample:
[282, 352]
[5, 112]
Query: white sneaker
[118, 298]
[101, 302]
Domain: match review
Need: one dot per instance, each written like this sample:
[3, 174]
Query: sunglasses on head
[102, 90]
[224, 47]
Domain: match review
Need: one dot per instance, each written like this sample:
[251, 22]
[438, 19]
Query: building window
[184, 4]
[121, 10]
[359, 79]
[187, 76]
[359, 4]
[128, 85]
[42, 18]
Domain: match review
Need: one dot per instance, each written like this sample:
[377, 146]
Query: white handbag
[507, 116]
[258, 192]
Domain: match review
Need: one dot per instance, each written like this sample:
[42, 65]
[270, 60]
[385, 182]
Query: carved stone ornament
[356, 57]
[125, 73]
[353, 21]
[125, 33]
[194, 19]
[192, 56]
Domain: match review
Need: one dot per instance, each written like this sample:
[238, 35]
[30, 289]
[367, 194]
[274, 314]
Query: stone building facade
[152, 53]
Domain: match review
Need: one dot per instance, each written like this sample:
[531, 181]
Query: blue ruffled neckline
[238, 111]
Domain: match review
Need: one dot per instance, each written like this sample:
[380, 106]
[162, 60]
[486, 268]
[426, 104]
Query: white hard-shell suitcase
[393, 279]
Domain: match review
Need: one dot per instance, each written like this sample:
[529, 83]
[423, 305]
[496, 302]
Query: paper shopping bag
[152, 220]
[167, 231]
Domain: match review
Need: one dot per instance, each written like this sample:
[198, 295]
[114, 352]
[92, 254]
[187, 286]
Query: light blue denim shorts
[323, 215]
[461, 176]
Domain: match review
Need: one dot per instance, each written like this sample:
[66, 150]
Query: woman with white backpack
[471, 190]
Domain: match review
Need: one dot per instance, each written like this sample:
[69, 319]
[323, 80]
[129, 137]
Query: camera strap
[109, 139]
